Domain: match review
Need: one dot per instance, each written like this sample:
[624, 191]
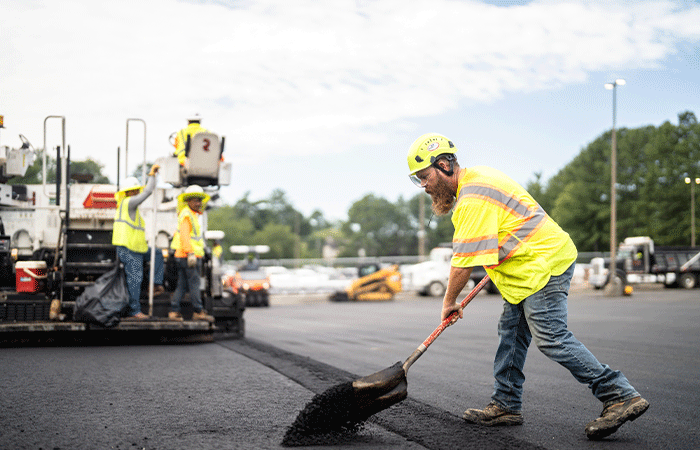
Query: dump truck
[639, 260]
[56, 241]
[374, 283]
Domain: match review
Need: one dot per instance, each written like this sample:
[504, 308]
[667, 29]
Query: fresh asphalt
[245, 393]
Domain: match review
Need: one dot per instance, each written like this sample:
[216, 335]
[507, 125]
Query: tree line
[652, 200]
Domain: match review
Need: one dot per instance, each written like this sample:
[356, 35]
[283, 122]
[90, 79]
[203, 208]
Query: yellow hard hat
[426, 149]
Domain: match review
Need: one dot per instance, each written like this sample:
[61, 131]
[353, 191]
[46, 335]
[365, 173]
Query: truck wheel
[436, 289]
[687, 281]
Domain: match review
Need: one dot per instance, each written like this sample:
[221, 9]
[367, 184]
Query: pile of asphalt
[328, 418]
[431, 427]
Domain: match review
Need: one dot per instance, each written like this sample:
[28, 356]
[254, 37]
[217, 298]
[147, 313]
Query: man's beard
[443, 198]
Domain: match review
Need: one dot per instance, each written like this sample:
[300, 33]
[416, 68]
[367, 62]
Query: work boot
[492, 415]
[202, 315]
[138, 316]
[175, 316]
[158, 289]
[614, 416]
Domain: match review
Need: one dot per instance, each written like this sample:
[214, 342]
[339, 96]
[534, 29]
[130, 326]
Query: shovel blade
[372, 406]
[380, 390]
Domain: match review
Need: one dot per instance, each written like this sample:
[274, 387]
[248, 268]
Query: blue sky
[323, 99]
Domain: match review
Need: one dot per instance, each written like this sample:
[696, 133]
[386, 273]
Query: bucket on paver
[31, 276]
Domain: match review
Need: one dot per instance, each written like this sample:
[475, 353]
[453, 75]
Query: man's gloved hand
[154, 170]
[191, 260]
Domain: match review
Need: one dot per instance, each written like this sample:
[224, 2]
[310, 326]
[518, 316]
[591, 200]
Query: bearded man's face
[442, 195]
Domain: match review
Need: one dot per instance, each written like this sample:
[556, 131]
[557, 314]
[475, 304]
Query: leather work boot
[614, 416]
[138, 316]
[202, 315]
[158, 289]
[175, 316]
[491, 416]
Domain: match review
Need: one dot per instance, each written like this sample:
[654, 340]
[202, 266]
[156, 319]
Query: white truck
[430, 277]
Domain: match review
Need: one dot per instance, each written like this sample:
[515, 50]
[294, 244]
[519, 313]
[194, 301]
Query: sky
[323, 99]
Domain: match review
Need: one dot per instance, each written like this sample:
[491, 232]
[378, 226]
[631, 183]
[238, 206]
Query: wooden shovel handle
[424, 346]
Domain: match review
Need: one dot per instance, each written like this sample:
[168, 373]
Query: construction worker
[193, 127]
[129, 236]
[531, 260]
[217, 250]
[188, 243]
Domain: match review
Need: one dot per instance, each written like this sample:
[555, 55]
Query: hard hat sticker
[433, 146]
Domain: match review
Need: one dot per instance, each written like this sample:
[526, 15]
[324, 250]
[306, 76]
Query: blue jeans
[543, 317]
[187, 280]
[133, 266]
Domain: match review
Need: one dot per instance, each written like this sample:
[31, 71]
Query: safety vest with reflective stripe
[500, 226]
[196, 239]
[181, 139]
[129, 233]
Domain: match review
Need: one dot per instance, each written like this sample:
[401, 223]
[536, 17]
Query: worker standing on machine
[193, 127]
[129, 236]
[188, 243]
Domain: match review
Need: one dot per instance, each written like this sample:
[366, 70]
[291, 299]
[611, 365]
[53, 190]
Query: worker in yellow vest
[531, 260]
[129, 236]
[217, 250]
[188, 243]
[193, 127]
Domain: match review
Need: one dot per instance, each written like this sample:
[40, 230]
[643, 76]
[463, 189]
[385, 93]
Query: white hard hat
[131, 183]
[194, 118]
[194, 189]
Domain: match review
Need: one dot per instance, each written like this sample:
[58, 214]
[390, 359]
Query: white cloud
[279, 77]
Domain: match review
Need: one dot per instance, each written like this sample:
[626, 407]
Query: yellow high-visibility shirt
[500, 226]
[181, 139]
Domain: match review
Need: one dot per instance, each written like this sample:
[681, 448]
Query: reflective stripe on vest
[533, 219]
[129, 233]
[195, 235]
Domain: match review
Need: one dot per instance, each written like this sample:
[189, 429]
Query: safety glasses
[421, 177]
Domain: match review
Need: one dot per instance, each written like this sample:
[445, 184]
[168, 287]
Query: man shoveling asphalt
[531, 260]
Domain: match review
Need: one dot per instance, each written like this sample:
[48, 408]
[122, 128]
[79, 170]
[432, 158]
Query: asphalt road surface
[244, 394]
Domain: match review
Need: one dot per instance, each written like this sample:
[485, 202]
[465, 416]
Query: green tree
[652, 199]
[238, 230]
[88, 167]
[377, 226]
[280, 238]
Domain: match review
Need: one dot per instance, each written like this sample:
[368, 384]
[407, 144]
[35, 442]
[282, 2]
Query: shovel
[345, 406]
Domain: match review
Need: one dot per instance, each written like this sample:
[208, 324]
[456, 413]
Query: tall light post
[692, 184]
[613, 181]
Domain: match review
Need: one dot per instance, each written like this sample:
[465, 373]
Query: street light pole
[692, 184]
[613, 181]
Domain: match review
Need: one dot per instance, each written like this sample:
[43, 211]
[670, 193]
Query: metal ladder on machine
[86, 254]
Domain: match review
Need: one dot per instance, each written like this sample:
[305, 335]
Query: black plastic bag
[103, 302]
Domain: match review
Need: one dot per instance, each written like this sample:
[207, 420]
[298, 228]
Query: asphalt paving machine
[56, 240]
